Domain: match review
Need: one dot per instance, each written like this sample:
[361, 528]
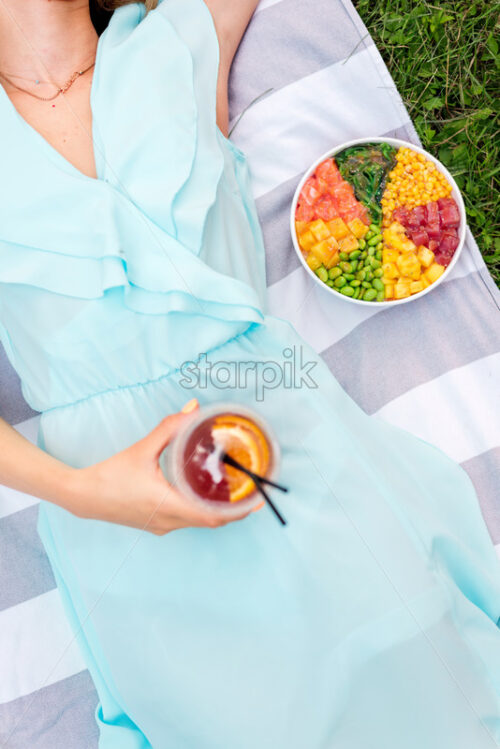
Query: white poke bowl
[397, 144]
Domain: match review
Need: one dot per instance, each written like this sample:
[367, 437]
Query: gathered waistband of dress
[145, 383]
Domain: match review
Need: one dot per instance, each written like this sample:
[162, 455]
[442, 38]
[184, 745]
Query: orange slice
[244, 441]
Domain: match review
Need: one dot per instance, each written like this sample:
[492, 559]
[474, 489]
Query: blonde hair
[113, 4]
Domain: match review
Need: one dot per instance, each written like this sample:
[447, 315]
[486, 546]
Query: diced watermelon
[419, 236]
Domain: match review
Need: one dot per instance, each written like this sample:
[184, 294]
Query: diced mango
[390, 270]
[306, 240]
[326, 251]
[416, 286]
[313, 262]
[389, 255]
[425, 256]
[319, 229]
[409, 265]
[402, 289]
[389, 290]
[348, 244]
[338, 228]
[301, 226]
[358, 228]
[434, 272]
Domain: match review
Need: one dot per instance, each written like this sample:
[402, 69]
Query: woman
[371, 619]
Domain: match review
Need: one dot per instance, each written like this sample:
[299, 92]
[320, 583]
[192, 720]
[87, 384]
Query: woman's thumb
[167, 428]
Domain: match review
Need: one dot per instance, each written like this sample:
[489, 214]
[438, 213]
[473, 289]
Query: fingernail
[190, 406]
[258, 507]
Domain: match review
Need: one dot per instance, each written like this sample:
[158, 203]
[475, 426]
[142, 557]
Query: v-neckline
[52, 152]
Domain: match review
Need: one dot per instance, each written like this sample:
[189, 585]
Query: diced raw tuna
[416, 217]
[431, 212]
[434, 231]
[433, 245]
[449, 242]
[419, 236]
[450, 216]
[401, 215]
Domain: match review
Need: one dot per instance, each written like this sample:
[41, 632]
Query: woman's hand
[130, 489]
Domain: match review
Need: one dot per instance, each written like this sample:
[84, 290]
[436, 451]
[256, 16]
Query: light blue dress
[370, 621]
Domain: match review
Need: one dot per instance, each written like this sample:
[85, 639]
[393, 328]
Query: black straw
[258, 481]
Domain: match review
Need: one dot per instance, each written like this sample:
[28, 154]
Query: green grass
[445, 62]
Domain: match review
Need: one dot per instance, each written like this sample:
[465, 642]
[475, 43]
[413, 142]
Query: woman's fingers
[154, 442]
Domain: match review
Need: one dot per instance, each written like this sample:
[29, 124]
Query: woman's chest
[64, 122]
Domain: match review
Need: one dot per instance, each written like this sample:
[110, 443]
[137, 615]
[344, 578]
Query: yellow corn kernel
[319, 229]
[306, 240]
[425, 256]
[434, 272]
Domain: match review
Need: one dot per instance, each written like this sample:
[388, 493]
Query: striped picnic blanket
[431, 367]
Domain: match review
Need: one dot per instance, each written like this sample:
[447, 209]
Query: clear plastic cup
[192, 461]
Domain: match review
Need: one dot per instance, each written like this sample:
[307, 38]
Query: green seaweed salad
[366, 167]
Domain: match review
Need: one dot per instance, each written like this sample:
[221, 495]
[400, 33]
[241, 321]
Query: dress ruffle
[159, 171]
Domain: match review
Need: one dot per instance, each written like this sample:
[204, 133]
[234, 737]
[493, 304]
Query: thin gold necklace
[61, 89]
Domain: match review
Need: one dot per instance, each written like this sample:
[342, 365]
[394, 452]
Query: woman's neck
[45, 39]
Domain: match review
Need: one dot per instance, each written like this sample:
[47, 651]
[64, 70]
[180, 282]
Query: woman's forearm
[27, 468]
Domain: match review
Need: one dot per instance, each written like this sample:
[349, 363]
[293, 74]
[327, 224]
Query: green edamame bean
[349, 276]
[374, 240]
[346, 267]
[366, 284]
[339, 282]
[369, 295]
[364, 254]
[329, 283]
[354, 265]
[344, 256]
[335, 272]
[362, 244]
[354, 255]
[380, 296]
[375, 263]
[347, 291]
[361, 275]
[368, 235]
[379, 247]
[378, 273]
[355, 282]
[378, 254]
[357, 293]
[377, 284]
[371, 251]
[374, 228]
[322, 273]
